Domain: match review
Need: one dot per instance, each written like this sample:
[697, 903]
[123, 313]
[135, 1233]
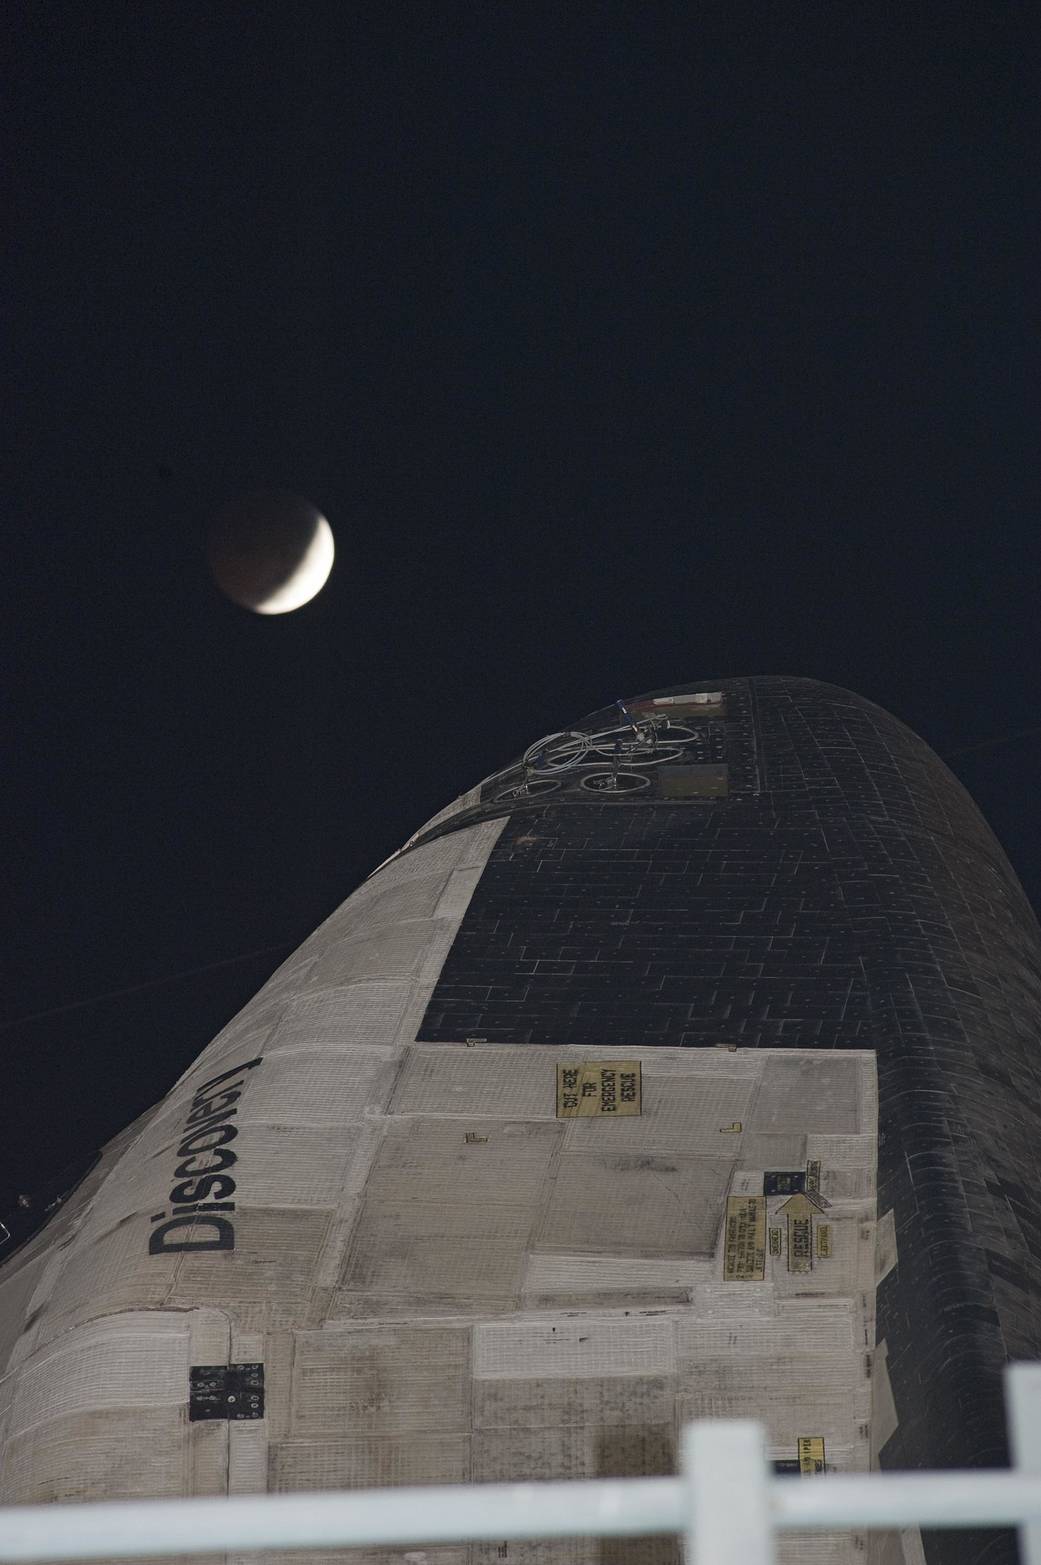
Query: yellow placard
[744, 1244]
[598, 1087]
[813, 1176]
[775, 1241]
[800, 1244]
[811, 1455]
[824, 1239]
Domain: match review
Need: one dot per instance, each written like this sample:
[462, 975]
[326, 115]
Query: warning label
[811, 1455]
[598, 1087]
[800, 1244]
[744, 1246]
[824, 1239]
[775, 1241]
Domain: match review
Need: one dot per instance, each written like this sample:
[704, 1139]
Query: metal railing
[726, 1504]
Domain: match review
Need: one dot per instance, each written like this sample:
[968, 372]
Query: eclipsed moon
[271, 551]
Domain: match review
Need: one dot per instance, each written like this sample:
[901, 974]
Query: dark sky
[623, 345]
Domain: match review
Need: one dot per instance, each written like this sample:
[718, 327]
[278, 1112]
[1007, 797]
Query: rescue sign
[592, 1087]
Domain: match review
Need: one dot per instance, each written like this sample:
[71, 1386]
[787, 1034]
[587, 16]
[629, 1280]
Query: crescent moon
[309, 577]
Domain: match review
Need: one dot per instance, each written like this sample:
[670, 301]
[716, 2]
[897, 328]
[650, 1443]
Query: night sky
[622, 345]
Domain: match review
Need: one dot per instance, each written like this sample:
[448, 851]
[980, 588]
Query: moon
[271, 551]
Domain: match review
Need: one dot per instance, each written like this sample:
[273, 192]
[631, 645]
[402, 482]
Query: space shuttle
[686, 1067]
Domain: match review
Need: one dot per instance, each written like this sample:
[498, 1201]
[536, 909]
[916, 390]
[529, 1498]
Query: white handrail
[727, 1503]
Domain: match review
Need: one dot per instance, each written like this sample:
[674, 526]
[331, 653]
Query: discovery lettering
[203, 1187]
